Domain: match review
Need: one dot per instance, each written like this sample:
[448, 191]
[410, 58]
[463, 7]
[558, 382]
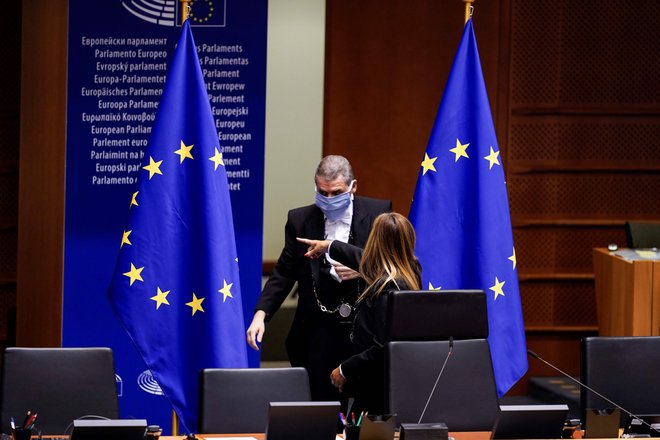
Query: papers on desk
[638, 254]
[649, 255]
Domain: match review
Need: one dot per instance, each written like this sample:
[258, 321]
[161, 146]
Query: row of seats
[63, 384]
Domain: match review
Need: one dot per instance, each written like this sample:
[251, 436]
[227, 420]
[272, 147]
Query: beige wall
[294, 111]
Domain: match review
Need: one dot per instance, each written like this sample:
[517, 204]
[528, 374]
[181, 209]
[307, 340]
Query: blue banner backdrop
[118, 55]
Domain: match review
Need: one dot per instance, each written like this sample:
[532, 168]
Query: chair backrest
[235, 400]
[60, 384]
[626, 370]
[439, 315]
[465, 398]
[642, 234]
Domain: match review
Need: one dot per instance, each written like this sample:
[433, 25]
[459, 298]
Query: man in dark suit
[319, 336]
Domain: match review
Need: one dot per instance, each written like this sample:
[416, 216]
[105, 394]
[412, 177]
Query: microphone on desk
[419, 430]
[587, 387]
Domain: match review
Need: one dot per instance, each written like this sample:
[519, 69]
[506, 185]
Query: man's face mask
[334, 207]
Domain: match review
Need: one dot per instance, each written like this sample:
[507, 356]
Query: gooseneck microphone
[451, 347]
[616, 405]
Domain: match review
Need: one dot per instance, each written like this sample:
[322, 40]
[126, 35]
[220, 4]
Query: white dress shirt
[339, 229]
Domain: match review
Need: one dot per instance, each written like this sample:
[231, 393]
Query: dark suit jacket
[292, 266]
[365, 370]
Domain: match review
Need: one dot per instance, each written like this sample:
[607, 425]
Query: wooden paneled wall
[10, 80]
[386, 66]
[41, 195]
[575, 93]
[583, 136]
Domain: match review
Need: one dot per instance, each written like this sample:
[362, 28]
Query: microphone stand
[451, 346]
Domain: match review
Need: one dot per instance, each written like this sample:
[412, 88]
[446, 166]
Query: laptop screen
[130, 429]
[302, 420]
[529, 421]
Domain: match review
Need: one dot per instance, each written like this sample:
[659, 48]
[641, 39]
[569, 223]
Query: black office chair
[236, 400]
[60, 384]
[642, 235]
[466, 396]
[626, 370]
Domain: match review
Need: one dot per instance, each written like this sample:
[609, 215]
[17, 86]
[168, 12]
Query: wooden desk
[627, 294]
[457, 435]
[202, 436]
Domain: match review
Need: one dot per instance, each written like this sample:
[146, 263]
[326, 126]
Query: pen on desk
[360, 419]
[12, 423]
[27, 417]
[30, 422]
[353, 417]
[342, 418]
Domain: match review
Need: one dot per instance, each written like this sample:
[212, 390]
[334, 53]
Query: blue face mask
[334, 207]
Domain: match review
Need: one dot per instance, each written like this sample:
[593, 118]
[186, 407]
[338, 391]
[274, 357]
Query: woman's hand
[345, 273]
[337, 379]
[316, 247]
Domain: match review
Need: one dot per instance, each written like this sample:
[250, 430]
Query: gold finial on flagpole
[185, 10]
[468, 9]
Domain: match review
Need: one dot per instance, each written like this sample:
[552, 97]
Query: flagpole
[175, 424]
[185, 9]
[468, 9]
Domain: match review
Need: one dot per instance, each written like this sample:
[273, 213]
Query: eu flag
[461, 213]
[176, 287]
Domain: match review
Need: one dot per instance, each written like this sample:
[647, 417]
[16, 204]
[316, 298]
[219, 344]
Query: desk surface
[477, 435]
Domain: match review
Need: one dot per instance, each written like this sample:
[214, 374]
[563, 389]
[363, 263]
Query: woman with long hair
[387, 263]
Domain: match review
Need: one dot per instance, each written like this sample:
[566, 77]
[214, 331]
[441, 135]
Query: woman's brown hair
[389, 254]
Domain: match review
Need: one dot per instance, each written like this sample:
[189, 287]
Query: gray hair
[334, 167]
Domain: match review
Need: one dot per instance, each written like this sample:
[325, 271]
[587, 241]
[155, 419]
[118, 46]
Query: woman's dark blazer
[364, 371]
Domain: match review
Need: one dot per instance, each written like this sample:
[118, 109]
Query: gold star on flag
[161, 298]
[427, 164]
[492, 158]
[460, 150]
[226, 290]
[513, 258]
[217, 159]
[134, 199]
[434, 288]
[125, 240]
[134, 274]
[184, 152]
[153, 167]
[195, 304]
[497, 288]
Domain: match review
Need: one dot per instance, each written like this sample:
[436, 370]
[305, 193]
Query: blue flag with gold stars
[175, 287]
[461, 213]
